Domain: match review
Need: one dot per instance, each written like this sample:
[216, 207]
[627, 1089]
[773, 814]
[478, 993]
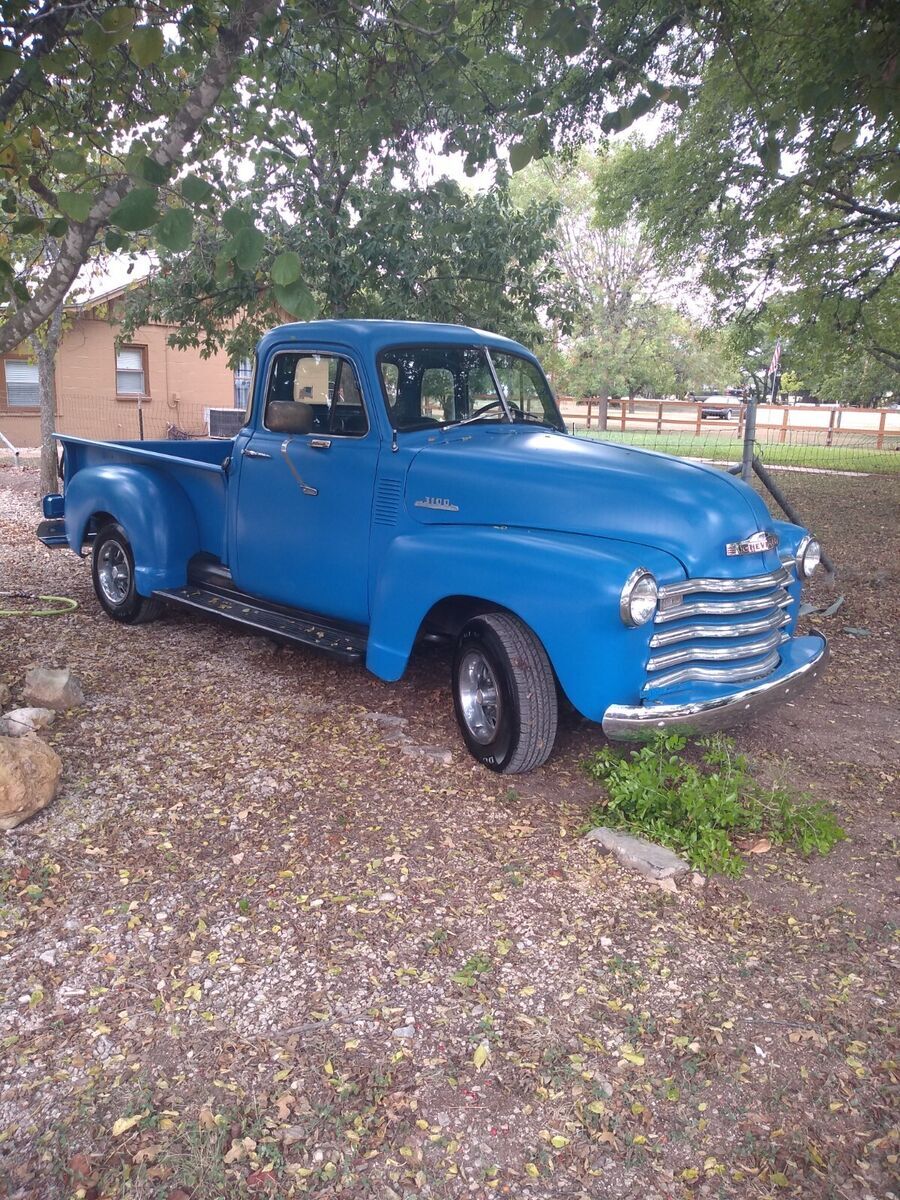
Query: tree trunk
[45, 348]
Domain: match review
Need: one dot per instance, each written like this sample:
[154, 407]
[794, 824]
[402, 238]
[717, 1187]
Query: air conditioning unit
[224, 422]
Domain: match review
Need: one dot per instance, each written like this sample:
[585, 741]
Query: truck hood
[538, 479]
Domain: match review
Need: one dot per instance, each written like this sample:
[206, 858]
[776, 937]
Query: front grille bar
[725, 608]
[671, 658]
[724, 629]
[724, 674]
[754, 583]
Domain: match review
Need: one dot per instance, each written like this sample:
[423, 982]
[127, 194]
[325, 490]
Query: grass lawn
[728, 449]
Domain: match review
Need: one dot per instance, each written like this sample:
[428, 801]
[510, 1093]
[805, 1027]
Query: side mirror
[289, 416]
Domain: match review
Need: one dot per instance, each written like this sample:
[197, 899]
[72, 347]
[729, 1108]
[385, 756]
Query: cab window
[328, 384]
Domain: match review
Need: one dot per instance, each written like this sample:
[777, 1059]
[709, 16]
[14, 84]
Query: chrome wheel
[479, 697]
[114, 572]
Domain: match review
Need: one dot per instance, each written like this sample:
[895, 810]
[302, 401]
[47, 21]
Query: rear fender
[566, 587]
[153, 510]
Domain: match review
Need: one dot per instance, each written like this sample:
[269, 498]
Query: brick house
[108, 390]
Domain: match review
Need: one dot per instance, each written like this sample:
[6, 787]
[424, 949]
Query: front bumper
[803, 659]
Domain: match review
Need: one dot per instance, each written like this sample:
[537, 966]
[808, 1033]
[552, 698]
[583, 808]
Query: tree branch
[75, 246]
[55, 19]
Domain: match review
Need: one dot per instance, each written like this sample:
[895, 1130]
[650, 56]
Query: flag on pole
[776, 358]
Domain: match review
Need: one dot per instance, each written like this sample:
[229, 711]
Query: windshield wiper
[491, 411]
[519, 416]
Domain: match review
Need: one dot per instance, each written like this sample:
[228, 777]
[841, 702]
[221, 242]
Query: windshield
[452, 385]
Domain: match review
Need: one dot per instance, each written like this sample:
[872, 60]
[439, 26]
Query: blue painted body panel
[520, 517]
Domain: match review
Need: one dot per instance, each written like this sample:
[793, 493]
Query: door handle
[304, 487]
[255, 454]
[320, 443]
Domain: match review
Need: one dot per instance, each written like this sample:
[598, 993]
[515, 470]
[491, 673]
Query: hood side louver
[388, 495]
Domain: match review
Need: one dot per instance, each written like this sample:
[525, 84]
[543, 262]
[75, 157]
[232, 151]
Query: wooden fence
[774, 422]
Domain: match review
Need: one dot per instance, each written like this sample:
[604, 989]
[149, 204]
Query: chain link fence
[791, 437]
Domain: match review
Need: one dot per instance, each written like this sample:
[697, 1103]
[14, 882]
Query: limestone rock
[29, 776]
[57, 688]
[20, 721]
[651, 861]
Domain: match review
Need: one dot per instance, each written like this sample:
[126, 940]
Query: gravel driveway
[272, 940]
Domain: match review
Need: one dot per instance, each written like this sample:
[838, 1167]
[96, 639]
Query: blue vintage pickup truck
[396, 481]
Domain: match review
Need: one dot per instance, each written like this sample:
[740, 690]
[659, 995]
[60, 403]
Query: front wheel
[112, 570]
[504, 693]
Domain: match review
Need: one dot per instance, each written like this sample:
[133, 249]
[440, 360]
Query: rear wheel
[112, 570]
[504, 693]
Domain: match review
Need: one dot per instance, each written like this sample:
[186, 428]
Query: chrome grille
[691, 640]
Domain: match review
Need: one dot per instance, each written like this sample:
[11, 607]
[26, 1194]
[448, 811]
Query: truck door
[305, 499]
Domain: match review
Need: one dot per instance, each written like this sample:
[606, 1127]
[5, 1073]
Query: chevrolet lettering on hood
[759, 543]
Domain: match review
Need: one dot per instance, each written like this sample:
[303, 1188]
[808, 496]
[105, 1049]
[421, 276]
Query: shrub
[698, 811]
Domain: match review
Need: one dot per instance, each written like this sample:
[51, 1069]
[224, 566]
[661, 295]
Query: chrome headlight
[809, 555]
[640, 595]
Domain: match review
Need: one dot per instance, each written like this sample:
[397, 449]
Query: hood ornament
[758, 543]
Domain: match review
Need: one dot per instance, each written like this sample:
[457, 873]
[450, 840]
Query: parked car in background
[725, 408]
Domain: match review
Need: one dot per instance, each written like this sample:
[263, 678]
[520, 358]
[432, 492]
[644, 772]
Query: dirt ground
[262, 944]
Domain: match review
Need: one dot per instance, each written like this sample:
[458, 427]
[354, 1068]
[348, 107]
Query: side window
[522, 386]
[325, 382]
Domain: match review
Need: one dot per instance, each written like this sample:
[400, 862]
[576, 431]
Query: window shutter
[22, 390]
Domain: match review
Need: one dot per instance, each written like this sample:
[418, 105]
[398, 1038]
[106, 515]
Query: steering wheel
[494, 404]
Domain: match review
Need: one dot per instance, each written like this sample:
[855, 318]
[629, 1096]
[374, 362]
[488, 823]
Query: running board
[344, 644]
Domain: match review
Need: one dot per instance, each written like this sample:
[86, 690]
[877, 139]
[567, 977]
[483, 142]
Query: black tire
[112, 571]
[497, 655]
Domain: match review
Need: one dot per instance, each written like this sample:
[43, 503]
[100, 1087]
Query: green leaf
[10, 202]
[69, 162]
[770, 155]
[97, 40]
[535, 15]
[235, 219]
[298, 300]
[175, 229]
[76, 205]
[149, 170]
[115, 240]
[118, 20]
[147, 45]
[247, 246]
[843, 140]
[195, 190]
[137, 211]
[27, 223]
[520, 156]
[9, 60]
[5, 267]
[58, 227]
[286, 268]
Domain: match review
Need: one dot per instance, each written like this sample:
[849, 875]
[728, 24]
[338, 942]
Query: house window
[22, 390]
[131, 371]
[243, 379]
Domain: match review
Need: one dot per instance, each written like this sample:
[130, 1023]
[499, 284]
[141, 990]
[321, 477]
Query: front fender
[152, 508]
[566, 587]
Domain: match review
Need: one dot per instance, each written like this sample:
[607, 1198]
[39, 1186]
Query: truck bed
[198, 467]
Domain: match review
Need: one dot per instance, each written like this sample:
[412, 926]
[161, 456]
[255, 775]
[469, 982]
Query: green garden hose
[65, 605]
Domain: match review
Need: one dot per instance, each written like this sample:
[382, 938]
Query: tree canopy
[778, 185]
[118, 119]
[624, 333]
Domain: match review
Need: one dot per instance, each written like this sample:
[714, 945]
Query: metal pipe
[13, 450]
[785, 505]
